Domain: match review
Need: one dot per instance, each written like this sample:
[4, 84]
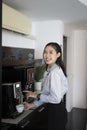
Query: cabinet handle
[40, 110]
[25, 124]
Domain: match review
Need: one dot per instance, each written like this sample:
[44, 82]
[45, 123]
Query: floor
[77, 119]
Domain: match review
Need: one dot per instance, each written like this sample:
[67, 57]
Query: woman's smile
[50, 55]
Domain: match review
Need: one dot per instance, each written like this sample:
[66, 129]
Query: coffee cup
[20, 108]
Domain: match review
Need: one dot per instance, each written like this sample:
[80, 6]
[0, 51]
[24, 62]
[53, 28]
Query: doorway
[65, 51]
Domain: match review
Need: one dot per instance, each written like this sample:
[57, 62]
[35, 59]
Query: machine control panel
[17, 90]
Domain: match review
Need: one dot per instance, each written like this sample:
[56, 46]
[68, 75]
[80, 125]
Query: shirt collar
[52, 67]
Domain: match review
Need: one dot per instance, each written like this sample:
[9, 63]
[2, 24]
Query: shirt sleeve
[55, 89]
[38, 103]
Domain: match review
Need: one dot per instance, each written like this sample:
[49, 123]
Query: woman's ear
[58, 55]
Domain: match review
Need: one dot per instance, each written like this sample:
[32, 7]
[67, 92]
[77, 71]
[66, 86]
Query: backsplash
[12, 56]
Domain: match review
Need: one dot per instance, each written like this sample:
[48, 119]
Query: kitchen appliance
[11, 96]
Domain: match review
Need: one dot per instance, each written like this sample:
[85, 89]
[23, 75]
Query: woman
[54, 87]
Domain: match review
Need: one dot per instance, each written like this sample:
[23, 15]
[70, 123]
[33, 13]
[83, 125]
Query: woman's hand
[30, 93]
[28, 106]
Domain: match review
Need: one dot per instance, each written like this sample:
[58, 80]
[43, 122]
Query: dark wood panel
[0, 54]
[16, 56]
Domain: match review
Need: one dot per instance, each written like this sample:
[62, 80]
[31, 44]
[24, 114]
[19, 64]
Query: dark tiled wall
[16, 56]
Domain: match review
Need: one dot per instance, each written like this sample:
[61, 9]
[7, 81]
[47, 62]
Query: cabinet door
[30, 75]
[39, 118]
[14, 20]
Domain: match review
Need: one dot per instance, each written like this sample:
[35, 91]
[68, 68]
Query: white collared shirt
[54, 86]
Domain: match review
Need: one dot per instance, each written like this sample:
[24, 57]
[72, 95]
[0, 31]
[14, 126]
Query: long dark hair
[59, 61]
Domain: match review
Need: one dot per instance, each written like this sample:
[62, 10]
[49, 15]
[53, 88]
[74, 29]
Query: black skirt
[57, 116]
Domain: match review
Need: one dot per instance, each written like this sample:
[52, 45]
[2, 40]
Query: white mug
[20, 108]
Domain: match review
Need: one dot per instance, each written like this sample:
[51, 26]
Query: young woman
[54, 87]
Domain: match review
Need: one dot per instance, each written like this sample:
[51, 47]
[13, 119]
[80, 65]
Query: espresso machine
[11, 96]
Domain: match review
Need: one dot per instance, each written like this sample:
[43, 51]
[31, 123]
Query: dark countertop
[17, 119]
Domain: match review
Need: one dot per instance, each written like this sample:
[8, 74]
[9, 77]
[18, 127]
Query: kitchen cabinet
[15, 21]
[39, 118]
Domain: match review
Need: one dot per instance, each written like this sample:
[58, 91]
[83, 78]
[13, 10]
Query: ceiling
[69, 11]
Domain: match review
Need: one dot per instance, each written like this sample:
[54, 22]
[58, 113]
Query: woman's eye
[51, 52]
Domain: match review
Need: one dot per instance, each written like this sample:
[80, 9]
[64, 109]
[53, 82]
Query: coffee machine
[11, 96]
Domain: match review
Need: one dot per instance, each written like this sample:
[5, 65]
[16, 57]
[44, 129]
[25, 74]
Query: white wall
[80, 69]
[70, 61]
[47, 31]
[76, 68]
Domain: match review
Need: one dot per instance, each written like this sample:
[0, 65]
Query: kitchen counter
[17, 119]
[30, 119]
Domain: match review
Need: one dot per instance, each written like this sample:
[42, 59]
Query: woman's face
[50, 55]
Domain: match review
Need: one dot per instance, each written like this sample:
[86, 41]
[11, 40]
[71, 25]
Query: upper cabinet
[15, 21]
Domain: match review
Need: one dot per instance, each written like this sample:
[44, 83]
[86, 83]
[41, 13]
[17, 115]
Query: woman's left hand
[30, 93]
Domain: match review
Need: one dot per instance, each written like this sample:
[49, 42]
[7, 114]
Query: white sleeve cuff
[38, 103]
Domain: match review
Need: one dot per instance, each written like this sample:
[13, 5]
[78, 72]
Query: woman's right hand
[28, 106]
